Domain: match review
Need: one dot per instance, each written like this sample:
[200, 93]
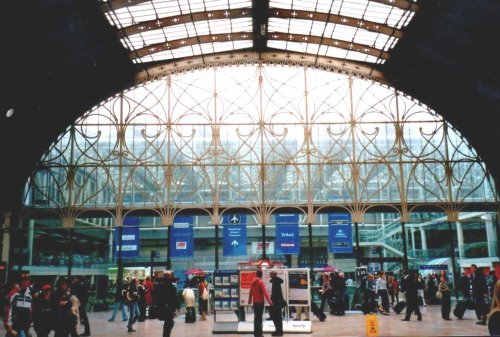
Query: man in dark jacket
[43, 311]
[165, 294]
[411, 292]
[278, 302]
[479, 291]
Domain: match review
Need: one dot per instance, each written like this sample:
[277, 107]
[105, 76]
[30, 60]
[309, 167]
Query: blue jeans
[134, 312]
[117, 305]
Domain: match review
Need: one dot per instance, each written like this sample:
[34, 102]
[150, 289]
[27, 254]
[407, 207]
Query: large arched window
[260, 135]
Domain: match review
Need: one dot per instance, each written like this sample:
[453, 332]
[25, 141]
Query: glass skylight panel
[216, 5]
[318, 28]
[278, 25]
[353, 9]
[166, 8]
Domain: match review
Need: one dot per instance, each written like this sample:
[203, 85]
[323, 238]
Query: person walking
[165, 296]
[381, 291]
[141, 291]
[203, 296]
[149, 286]
[479, 291]
[421, 290]
[493, 317]
[118, 304]
[81, 289]
[189, 301]
[410, 286]
[257, 296]
[278, 303]
[445, 298]
[63, 324]
[325, 291]
[132, 297]
[19, 319]
[43, 311]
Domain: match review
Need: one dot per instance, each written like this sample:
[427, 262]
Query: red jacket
[258, 292]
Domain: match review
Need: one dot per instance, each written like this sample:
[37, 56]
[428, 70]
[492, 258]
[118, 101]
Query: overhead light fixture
[9, 113]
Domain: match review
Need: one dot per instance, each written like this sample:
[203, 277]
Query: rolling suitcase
[317, 312]
[190, 315]
[460, 309]
[399, 307]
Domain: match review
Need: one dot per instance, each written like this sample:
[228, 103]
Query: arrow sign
[235, 240]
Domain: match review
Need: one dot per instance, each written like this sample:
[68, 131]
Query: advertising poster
[339, 233]
[298, 287]
[246, 277]
[181, 242]
[287, 234]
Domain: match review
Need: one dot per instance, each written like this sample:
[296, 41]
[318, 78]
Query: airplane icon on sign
[235, 219]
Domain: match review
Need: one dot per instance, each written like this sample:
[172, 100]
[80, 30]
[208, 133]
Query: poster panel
[246, 277]
[298, 287]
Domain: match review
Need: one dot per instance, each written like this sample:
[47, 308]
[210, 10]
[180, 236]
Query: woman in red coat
[149, 286]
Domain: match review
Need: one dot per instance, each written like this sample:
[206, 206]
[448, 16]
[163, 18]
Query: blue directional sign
[130, 237]
[339, 233]
[287, 234]
[181, 240]
[234, 240]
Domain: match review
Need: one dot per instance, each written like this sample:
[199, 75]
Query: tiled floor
[352, 324]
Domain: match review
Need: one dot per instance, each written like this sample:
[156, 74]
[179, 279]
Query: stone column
[31, 231]
[423, 241]
[490, 234]
[460, 240]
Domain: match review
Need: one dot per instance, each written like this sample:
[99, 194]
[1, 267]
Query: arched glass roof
[164, 30]
[261, 136]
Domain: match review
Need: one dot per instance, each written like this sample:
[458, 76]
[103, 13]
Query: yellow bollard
[371, 325]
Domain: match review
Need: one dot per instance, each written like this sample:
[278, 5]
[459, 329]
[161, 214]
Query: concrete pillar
[490, 234]
[423, 241]
[31, 232]
[412, 229]
[6, 238]
[460, 240]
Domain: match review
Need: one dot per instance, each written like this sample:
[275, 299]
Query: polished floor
[352, 324]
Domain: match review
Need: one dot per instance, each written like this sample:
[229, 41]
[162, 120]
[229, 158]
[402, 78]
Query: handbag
[204, 295]
[282, 303]
[439, 295]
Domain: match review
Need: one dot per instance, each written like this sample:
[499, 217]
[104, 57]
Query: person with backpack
[118, 304]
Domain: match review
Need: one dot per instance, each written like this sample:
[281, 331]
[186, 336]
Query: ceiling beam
[351, 46]
[190, 41]
[185, 18]
[337, 19]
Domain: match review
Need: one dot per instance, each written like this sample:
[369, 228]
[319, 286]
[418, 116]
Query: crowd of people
[62, 308]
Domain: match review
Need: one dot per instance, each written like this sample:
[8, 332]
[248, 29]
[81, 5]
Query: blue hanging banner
[339, 233]
[287, 234]
[181, 241]
[130, 237]
[234, 240]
